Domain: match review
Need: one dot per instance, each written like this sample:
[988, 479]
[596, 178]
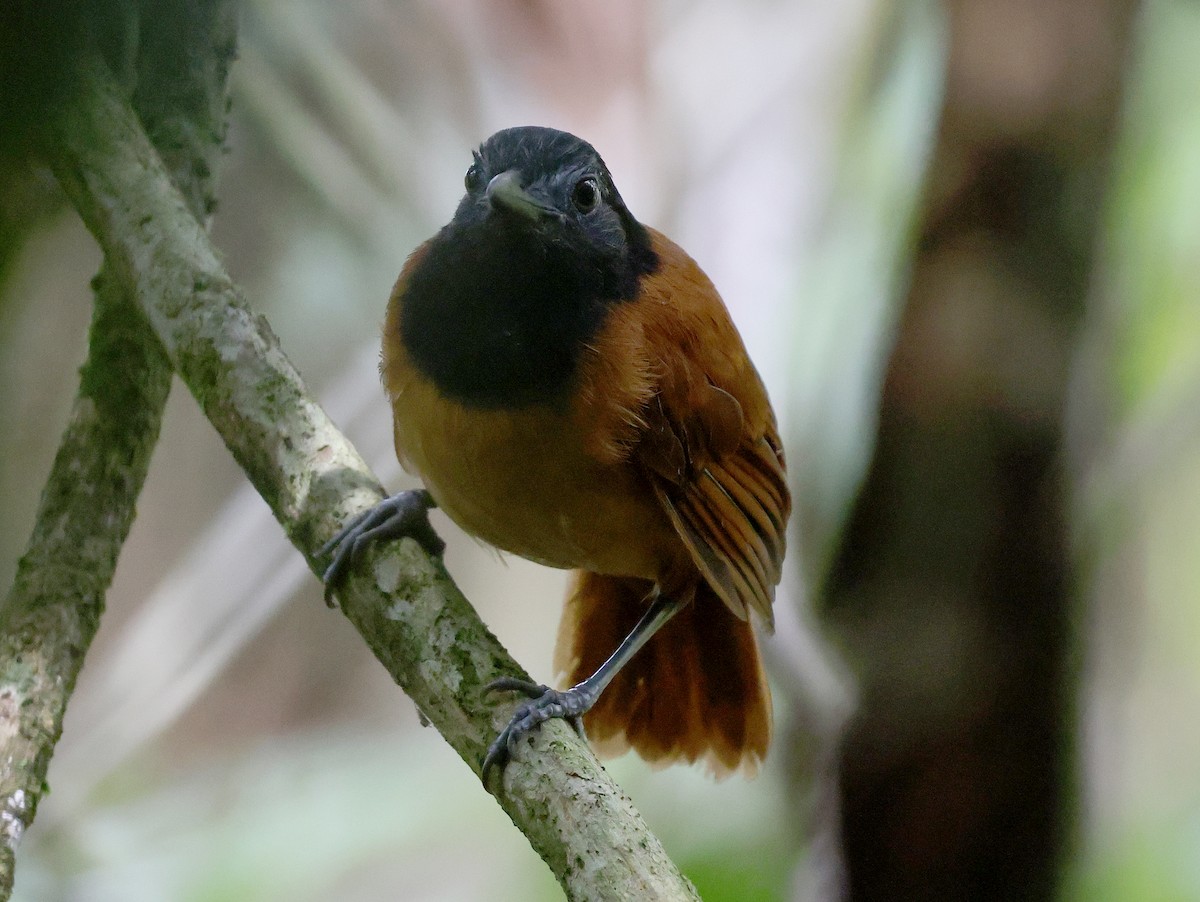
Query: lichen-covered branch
[51, 613]
[405, 605]
[53, 609]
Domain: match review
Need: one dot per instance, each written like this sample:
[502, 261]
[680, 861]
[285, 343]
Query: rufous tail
[695, 692]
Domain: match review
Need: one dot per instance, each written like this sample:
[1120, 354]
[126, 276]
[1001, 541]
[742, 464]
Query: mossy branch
[403, 602]
[51, 614]
[53, 609]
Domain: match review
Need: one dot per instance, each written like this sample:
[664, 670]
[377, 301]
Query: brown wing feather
[732, 516]
[708, 441]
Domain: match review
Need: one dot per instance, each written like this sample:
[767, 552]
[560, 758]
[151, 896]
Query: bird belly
[522, 481]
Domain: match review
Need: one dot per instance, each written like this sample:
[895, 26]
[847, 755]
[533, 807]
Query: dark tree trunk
[952, 587]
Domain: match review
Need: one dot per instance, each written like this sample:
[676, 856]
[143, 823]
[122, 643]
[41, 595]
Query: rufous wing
[708, 442]
[725, 493]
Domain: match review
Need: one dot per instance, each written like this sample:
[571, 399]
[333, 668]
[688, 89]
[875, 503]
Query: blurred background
[962, 242]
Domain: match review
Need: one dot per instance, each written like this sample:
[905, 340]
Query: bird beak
[504, 192]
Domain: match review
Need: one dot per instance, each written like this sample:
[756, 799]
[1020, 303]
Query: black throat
[499, 318]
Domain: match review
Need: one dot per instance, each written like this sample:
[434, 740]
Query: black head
[539, 249]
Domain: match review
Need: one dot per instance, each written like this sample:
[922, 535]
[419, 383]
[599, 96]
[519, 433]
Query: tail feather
[695, 692]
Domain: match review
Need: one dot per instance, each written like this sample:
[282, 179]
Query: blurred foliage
[1139, 504]
[1154, 223]
[853, 273]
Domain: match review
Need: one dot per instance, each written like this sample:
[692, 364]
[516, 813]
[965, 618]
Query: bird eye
[474, 178]
[585, 195]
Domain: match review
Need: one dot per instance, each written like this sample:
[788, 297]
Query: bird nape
[568, 385]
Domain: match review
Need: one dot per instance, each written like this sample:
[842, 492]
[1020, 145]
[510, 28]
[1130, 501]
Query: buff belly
[521, 480]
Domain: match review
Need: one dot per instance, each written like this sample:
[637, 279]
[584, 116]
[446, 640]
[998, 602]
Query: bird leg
[570, 704]
[403, 514]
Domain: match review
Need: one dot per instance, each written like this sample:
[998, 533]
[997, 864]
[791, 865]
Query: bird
[569, 386]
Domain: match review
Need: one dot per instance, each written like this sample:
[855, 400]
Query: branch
[403, 602]
[53, 609]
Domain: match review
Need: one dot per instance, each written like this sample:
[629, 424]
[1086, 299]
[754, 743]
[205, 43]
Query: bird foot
[545, 704]
[403, 514]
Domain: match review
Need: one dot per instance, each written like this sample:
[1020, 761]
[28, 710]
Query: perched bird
[570, 388]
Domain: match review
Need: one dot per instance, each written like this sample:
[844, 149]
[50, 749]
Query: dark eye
[474, 178]
[585, 195]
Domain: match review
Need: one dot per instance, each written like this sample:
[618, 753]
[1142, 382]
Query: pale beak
[505, 193]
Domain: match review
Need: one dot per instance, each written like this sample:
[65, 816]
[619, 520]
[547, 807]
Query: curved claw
[403, 514]
[544, 704]
[497, 755]
[516, 684]
[571, 704]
